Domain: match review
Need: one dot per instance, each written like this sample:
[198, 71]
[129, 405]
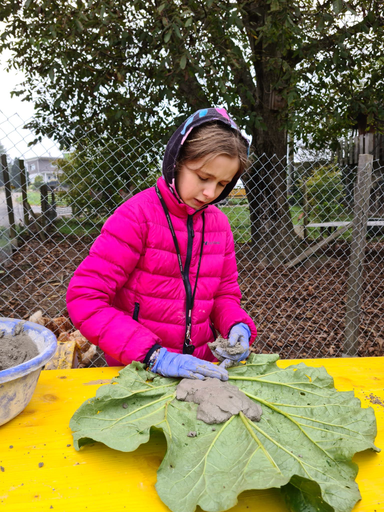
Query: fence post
[359, 232]
[305, 210]
[8, 196]
[23, 183]
[44, 204]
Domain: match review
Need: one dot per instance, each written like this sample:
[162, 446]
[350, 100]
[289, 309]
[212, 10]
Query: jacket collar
[174, 204]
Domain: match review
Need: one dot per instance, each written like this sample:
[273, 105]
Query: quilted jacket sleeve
[226, 310]
[92, 289]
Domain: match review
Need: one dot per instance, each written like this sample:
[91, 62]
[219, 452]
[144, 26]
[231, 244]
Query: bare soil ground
[299, 312]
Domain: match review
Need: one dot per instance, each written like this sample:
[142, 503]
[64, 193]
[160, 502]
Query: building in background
[44, 166]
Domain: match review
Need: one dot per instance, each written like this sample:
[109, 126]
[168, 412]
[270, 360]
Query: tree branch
[328, 42]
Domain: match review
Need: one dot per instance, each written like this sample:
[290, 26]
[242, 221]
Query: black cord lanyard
[188, 347]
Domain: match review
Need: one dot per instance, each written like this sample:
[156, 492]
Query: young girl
[162, 275]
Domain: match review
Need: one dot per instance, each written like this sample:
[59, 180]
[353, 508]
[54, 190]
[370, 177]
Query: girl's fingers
[193, 375]
[233, 339]
[223, 354]
[213, 371]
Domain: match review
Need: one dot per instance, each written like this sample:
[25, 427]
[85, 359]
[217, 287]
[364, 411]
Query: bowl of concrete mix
[25, 347]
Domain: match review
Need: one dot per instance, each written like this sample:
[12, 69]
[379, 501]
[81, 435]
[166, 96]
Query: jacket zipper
[188, 288]
[188, 347]
[136, 311]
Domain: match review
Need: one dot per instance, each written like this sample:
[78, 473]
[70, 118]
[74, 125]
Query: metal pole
[359, 233]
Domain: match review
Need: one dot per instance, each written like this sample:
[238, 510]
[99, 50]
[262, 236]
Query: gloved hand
[240, 333]
[170, 364]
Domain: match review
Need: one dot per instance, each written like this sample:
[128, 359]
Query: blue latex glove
[240, 333]
[170, 364]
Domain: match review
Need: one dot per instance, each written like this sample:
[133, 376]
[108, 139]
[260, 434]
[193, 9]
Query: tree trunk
[273, 236]
[274, 239]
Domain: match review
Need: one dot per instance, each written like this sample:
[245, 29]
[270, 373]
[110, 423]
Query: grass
[34, 199]
[79, 227]
[295, 212]
[241, 227]
[238, 217]
[240, 222]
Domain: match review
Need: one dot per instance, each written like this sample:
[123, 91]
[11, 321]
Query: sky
[14, 113]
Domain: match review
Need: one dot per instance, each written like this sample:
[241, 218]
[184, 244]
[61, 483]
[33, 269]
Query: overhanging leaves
[304, 442]
[85, 62]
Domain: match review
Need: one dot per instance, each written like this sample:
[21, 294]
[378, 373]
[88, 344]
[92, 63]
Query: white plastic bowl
[18, 383]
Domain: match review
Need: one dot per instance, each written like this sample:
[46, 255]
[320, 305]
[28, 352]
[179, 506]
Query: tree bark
[273, 236]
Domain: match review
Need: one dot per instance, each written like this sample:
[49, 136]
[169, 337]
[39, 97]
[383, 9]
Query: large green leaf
[304, 442]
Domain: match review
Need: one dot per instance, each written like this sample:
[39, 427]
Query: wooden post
[8, 197]
[53, 208]
[44, 204]
[23, 183]
[305, 210]
[359, 233]
[290, 164]
[30, 217]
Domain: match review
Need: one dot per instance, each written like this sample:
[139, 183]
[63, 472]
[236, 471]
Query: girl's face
[199, 182]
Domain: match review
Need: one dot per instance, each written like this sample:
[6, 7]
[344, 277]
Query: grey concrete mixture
[217, 400]
[232, 350]
[17, 348]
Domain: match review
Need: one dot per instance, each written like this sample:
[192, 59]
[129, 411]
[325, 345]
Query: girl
[162, 275]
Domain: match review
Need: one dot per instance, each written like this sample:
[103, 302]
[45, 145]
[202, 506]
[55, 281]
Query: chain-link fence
[309, 234]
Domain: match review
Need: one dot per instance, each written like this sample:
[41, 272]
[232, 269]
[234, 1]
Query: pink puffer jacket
[128, 294]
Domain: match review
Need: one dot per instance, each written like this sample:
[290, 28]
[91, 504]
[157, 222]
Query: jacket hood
[175, 143]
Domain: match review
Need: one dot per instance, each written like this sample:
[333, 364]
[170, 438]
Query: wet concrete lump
[16, 348]
[217, 400]
[231, 350]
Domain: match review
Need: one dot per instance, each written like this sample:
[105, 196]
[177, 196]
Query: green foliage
[136, 69]
[126, 68]
[80, 228]
[105, 173]
[303, 444]
[325, 194]
[240, 223]
[38, 181]
[14, 174]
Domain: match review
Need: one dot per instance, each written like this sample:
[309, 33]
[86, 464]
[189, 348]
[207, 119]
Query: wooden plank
[370, 143]
[335, 224]
[359, 235]
[44, 204]
[305, 209]
[237, 193]
[65, 357]
[23, 184]
[39, 227]
[8, 197]
[311, 250]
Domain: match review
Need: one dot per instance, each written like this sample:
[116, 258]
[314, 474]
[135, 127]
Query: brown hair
[211, 140]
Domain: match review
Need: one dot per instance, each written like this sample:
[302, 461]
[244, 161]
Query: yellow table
[41, 471]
